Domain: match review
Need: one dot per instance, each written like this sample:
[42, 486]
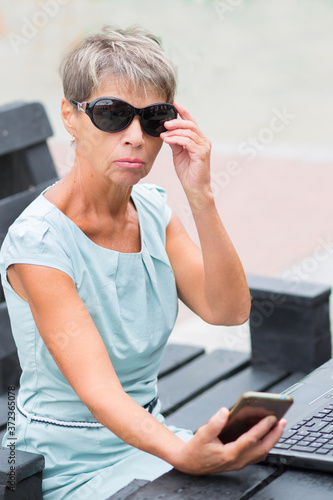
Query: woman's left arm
[210, 280]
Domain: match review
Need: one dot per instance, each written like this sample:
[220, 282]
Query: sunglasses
[113, 115]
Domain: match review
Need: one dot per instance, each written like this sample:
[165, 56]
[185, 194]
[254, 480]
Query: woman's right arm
[71, 337]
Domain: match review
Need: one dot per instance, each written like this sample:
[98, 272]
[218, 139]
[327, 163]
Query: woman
[92, 270]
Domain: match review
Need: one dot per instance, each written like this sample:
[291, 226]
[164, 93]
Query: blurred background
[258, 77]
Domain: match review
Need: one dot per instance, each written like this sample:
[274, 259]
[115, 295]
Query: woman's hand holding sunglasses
[191, 155]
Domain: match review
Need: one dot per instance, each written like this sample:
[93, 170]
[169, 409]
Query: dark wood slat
[24, 124]
[10, 369]
[279, 290]
[25, 159]
[3, 411]
[131, 488]
[7, 344]
[197, 412]
[12, 206]
[26, 464]
[27, 489]
[10, 372]
[39, 163]
[177, 486]
[287, 382]
[298, 485]
[177, 355]
[194, 378]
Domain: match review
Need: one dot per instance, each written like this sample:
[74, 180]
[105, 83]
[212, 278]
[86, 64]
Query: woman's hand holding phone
[206, 454]
[250, 408]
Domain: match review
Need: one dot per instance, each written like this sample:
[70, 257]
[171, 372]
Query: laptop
[308, 437]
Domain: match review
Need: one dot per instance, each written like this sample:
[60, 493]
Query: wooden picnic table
[190, 393]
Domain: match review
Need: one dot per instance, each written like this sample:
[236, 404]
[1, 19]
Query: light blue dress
[132, 300]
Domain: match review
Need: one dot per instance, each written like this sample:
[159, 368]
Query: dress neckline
[79, 230]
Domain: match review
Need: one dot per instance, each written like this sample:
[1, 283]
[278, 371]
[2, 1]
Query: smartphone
[250, 409]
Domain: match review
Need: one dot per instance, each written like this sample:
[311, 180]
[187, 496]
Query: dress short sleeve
[35, 241]
[158, 197]
[167, 212]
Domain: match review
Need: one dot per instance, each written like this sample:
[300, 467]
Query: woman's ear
[68, 115]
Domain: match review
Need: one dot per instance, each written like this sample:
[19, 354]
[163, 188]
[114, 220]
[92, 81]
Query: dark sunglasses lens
[112, 116]
[154, 116]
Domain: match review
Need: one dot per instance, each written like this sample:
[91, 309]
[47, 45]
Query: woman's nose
[133, 134]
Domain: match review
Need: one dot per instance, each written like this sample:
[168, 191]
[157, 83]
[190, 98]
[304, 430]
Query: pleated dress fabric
[132, 300]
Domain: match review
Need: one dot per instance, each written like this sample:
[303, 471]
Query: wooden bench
[28, 466]
[12, 206]
[25, 159]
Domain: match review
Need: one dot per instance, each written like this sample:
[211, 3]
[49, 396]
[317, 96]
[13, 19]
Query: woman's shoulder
[36, 218]
[153, 201]
[39, 226]
[150, 191]
[153, 197]
[38, 236]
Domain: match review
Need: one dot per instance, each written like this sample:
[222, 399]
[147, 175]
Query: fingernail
[223, 413]
[272, 420]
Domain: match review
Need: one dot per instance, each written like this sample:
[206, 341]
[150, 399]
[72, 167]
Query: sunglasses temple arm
[81, 106]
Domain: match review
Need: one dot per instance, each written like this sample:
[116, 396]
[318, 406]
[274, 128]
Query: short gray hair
[133, 55]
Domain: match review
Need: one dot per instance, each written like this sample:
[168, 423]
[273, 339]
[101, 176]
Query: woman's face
[122, 157]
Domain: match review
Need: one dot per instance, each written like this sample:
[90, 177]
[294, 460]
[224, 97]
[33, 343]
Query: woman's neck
[80, 195]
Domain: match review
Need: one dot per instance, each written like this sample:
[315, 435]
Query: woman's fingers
[205, 453]
[185, 133]
[274, 434]
[177, 123]
[254, 445]
[186, 122]
[210, 431]
[191, 153]
[188, 138]
[257, 432]
[183, 113]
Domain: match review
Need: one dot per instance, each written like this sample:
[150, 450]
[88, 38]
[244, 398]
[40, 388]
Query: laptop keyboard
[311, 435]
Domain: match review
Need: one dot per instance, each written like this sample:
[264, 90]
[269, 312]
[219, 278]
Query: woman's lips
[129, 163]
